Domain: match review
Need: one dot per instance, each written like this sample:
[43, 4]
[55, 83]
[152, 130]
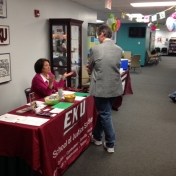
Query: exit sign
[108, 4]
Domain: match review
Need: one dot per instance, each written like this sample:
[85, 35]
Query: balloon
[118, 24]
[111, 15]
[111, 21]
[153, 28]
[173, 15]
[113, 27]
[170, 23]
[150, 24]
[157, 25]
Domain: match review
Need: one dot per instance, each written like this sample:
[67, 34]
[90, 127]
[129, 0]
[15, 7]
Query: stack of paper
[27, 120]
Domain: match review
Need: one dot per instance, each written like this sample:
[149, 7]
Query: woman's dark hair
[39, 65]
[106, 30]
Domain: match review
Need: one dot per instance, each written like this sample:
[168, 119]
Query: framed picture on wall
[4, 35]
[5, 67]
[3, 8]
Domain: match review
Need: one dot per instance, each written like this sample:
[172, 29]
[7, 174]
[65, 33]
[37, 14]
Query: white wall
[163, 33]
[29, 41]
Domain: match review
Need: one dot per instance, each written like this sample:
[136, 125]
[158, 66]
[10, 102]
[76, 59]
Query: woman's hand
[88, 69]
[51, 80]
[65, 75]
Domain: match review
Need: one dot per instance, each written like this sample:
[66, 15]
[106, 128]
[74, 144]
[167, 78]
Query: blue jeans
[104, 120]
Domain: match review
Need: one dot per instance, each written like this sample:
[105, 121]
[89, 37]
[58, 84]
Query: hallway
[145, 127]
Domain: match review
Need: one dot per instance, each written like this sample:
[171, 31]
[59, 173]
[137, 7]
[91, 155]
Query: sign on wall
[108, 4]
[3, 8]
[4, 35]
[5, 67]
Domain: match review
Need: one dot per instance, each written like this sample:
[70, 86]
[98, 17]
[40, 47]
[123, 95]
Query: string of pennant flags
[115, 23]
[145, 18]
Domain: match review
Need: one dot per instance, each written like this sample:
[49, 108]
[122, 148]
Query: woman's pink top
[41, 88]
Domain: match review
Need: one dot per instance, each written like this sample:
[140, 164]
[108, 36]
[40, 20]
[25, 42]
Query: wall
[135, 45]
[29, 41]
[148, 43]
[163, 33]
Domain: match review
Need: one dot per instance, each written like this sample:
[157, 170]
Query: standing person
[44, 83]
[105, 84]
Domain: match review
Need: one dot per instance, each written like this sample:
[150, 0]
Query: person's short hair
[39, 65]
[106, 30]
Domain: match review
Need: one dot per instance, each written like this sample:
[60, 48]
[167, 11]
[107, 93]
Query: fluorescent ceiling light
[157, 29]
[99, 21]
[151, 4]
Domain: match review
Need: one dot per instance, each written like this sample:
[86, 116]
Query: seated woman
[44, 83]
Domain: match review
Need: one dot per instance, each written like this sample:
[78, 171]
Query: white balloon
[170, 23]
[174, 26]
[150, 24]
[110, 21]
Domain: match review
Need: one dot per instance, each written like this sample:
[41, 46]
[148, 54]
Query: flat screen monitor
[137, 32]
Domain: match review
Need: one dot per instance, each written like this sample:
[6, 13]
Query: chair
[75, 79]
[127, 55]
[85, 78]
[164, 51]
[152, 58]
[158, 50]
[27, 91]
[135, 62]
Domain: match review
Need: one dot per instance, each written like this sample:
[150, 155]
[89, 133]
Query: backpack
[172, 96]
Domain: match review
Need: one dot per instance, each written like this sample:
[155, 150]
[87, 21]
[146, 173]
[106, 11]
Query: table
[51, 148]
[126, 82]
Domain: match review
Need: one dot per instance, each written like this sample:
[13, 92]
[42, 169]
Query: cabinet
[172, 46]
[66, 49]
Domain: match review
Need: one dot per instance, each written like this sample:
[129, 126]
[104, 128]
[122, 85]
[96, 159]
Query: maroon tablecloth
[127, 89]
[52, 147]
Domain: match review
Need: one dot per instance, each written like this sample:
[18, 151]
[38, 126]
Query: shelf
[172, 46]
[66, 49]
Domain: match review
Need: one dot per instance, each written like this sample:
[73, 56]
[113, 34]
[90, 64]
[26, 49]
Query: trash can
[124, 64]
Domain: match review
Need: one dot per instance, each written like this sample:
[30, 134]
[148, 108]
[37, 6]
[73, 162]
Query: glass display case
[66, 49]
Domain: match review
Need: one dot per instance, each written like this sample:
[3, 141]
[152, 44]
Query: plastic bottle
[60, 92]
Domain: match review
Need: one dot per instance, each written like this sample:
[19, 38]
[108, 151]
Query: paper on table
[56, 110]
[68, 92]
[62, 105]
[46, 109]
[23, 119]
[53, 115]
[10, 118]
[79, 98]
[32, 121]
